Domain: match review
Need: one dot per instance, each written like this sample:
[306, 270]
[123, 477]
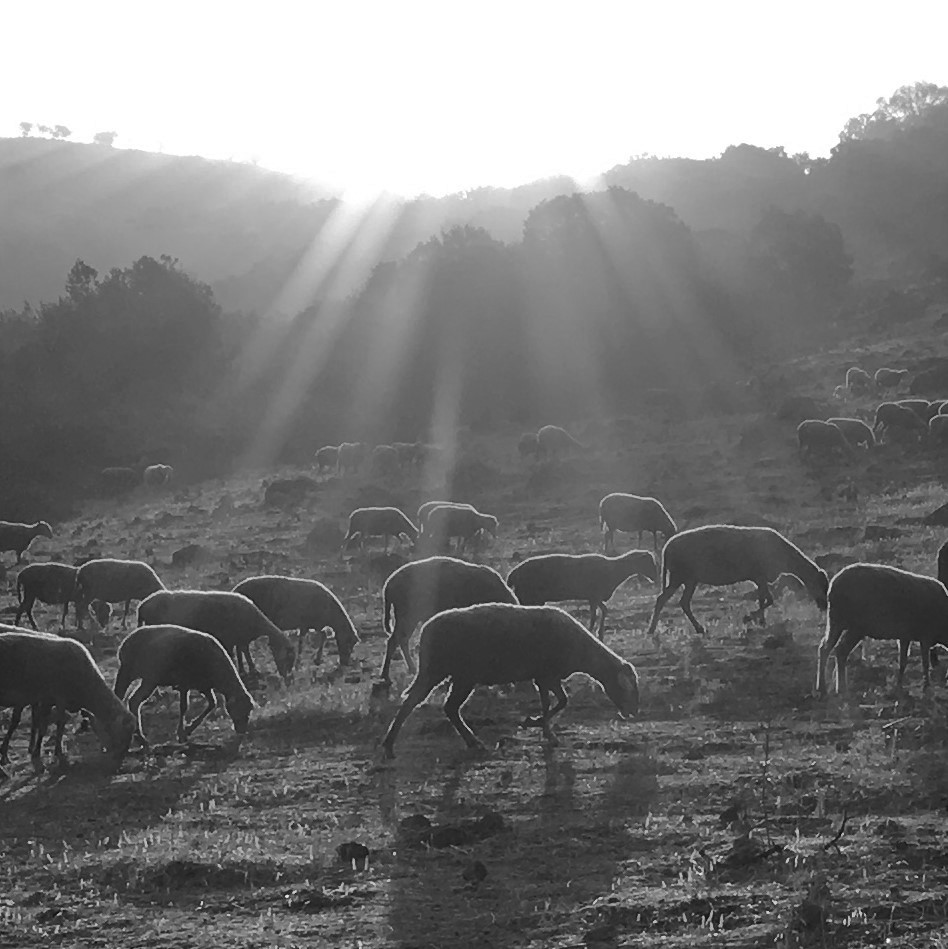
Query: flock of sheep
[916, 420]
[477, 627]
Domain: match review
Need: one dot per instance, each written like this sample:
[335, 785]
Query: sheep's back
[173, 655]
[229, 617]
[290, 602]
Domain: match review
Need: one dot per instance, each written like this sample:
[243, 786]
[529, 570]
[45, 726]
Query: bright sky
[441, 96]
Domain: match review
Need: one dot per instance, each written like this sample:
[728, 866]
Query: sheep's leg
[926, 647]
[395, 641]
[251, 668]
[60, 729]
[592, 617]
[685, 604]
[660, 602]
[608, 540]
[65, 612]
[459, 694]
[182, 712]
[16, 714]
[903, 658]
[27, 607]
[40, 722]
[211, 699]
[128, 603]
[602, 619]
[416, 694]
[406, 655]
[847, 642]
[764, 599]
[139, 697]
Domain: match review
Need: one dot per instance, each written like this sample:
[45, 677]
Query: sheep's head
[115, 735]
[239, 708]
[284, 655]
[641, 563]
[345, 644]
[44, 530]
[623, 688]
[489, 524]
[101, 612]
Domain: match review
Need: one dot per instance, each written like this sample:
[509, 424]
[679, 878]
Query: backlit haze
[416, 97]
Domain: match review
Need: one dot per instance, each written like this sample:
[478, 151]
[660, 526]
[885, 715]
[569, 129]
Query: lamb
[418, 590]
[384, 522]
[114, 581]
[17, 537]
[938, 429]
[447, 521]
[816, 436]
[498, 643]
[858, 380]
[921, 407]
[528, 444]
[722, 554]
[183, 659]
[326, 457]
[552, 440]
[351, 456]
[53, 583]
[231, 618]
[47, 672]
[629, 512]
[857, 432]
[157, 476]
[292, 603]
[592, 577]
[891, 417]
[881, 602]
[890, 378]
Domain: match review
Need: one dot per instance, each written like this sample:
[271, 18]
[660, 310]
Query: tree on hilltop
[908, 107]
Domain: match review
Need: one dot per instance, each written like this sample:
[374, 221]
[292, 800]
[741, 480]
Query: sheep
[326, 457]
[938, 429]
[384, 522]
[351, 456]
[936, 406]
[114, 581]
[53, 583]
[890, 378]
[231, 618]
[499, 643]
[722, 554]
[292, 603]
[385, 461]
[157, 476]
[592, 577]
[528, 444]
[47, 672]
[119, 480]
[418, 590]
[17, 537]
[183, 659]
[891, 417]
[857, 432]
[816, 436]
[629, 512]
[447, 521]
[881, 602]
[921, 407]
[551, 440]
[858, 380]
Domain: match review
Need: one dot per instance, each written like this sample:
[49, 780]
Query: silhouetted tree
[105, 138]
[907, 107]
[25, 128]
[61, 131]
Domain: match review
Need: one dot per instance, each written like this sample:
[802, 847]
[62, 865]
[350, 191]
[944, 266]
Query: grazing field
[735, 810]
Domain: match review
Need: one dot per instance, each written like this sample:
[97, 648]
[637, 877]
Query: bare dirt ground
[735, 810]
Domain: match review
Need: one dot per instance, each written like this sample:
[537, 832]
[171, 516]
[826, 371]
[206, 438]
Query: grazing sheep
[817, 437]
[722, 554]
[448, 521]
[629, 512]
[938, 429]
[921, 407]
[385, 461]
[890, 378]
[592, 577]
[351, 456]
[384, 522]
[231, 618]
[891, 417]
[53, 583]
[858, 380]
[326, 457]
[425, 509]
[114, 581]
[47, 672]
[881, 602]
[857, 432]
[528, 444]
[497, 643]
[183, 659]
[17, 537]
[418, 590]
[552, 440]
[292, 603]
[119, 480]
[157, 476]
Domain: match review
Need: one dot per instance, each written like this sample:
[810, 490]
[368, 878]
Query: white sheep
[921, 407]
[50, 672]
[418, 590]
[231, 618]
[816, 437]
[891, 417]
[890, 378]
[53, 583]
[722, 554]
[553, 440]
[114, 581]
[857, 432]
[157, 476]
[182, 659]
[498, 643]
[858, 380]
[17, 537]
[447, 522]
[629, 512]
[384, 522]
[351, 456]
[881, 602]
[294, 603]
[591, 577]
[326, 457]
